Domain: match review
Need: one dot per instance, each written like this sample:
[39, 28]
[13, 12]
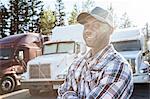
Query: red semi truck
[15, 52]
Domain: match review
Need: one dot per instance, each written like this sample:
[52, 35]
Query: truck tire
[7, 84]
[34, 92]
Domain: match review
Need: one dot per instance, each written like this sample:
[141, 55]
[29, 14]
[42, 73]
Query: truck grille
[40, 71]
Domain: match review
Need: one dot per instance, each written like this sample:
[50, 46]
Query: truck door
[22, 58]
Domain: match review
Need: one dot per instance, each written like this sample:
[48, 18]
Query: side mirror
[20, 55]
[81, 48]
[38, 53]
[77, 50]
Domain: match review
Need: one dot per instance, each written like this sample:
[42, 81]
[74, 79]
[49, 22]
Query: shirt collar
[100, 54]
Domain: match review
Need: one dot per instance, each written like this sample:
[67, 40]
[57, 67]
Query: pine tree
[3, 21]
[47, 22]
[125, 22]
[87, 5]
[25, 15]
[14, 17]
[115, 18]
[60, 14]
[35, 8]
[74, 14]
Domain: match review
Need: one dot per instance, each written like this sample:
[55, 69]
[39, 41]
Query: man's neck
[98, 49]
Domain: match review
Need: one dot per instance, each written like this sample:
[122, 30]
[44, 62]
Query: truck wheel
[34, 92]
[7, 84]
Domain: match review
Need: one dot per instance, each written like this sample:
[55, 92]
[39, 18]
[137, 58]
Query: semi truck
[133, 44]
[47, 72]
[15, 52]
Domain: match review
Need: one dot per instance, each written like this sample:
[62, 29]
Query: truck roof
[66, 33]
[52, 42]
[19, 39]
[126, 34]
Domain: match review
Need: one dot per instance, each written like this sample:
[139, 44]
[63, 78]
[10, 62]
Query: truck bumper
[141, 78]
[41, 84]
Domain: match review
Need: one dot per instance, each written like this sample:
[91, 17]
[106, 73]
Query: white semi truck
[134, 45]
[48, 71]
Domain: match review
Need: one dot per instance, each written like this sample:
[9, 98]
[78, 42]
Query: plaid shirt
[106, 75]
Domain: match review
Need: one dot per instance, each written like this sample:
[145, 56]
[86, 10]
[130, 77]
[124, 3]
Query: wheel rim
[6, 85]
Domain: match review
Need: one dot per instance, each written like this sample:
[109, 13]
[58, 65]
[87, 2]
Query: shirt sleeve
[64, 87]
[113, 83]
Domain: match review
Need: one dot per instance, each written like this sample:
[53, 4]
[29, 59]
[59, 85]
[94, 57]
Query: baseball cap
[98, 13]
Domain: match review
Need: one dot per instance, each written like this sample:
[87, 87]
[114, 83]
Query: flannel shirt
[106, 75]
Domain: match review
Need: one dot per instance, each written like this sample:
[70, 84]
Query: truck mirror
[77, 48]
[81, 48]
[20, 55]
[38, 52]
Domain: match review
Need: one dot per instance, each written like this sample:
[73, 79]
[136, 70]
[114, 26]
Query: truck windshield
[62, 47]
[6, 53]
[133, 45]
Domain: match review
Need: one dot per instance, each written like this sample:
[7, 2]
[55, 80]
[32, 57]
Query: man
[102, 73]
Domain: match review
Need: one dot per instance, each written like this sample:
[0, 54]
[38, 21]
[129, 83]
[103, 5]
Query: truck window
[50, 48]
[6, 53]
[66, 47]
[133, 45]
[61, 47]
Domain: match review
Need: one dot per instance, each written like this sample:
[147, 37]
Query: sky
[137, 10]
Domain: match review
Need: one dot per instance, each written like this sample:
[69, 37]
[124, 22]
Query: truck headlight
[24, 76]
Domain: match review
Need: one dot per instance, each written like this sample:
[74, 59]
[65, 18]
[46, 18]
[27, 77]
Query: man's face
[94, 33]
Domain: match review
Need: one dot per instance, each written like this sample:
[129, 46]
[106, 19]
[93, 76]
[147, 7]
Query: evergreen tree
[87, 5]
[35, 8]
[115, 18]
[14, 17]
[3, 21]
[125, 22]
[74, 14]
[60, 14]
[25, 15]
[47, 22]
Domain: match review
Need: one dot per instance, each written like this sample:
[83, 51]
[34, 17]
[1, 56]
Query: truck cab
[47, 72]
[132, 44]
[15, 52]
